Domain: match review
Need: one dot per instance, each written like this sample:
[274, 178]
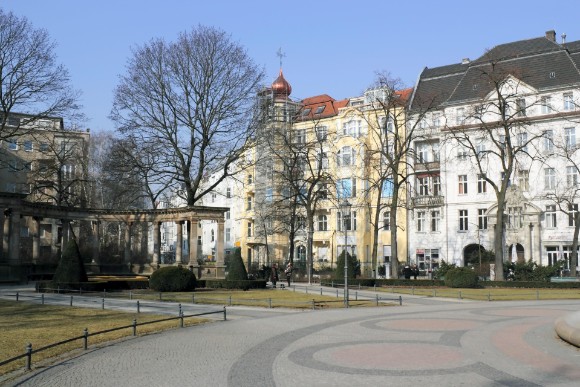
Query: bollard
[321, 291]
[138, 307]
[180, 319]
[16, 296]
[103, 304]
[192, 298]
[336, 292]
[225, 313]
[28, 356]
[356, 295]
[270, 303]
[400, 300]
[180, 310]
[42, 298]
[313, 305]
[86, 339]
[135, 327]
[71, 300]
[377, 298]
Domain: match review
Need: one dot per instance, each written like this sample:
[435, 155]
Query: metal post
[336, 292]
[489, 296]
[356, 295]
[28, 356]
[160, 297]
[225, 313]
[71, 300]
[180, 319]
[42, 298]
[400, 300]
[230, 301]
[193, 298]
[313, 305]
[377, 298]
[86, 339]
[103, 304]
[321, 291]
[135, 327]
[460, 294]
[138, 307]
[16, 296]
[270, 303]
[180, 310]
[130, 295]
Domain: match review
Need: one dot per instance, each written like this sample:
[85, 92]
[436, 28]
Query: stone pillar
[128, 242]
[96, 245]
[14, 237]
[219, 250]
[193, 242]
[35, 239]
[156, 243]
[179, 242]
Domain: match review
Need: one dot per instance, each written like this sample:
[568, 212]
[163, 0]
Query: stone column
[96, 245]
[35, 239]
[179, 242]
[219, 250]
[193, 242]
[156, 243]
[14, 237]
[128, 242]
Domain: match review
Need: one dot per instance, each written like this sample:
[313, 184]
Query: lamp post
[345, 207]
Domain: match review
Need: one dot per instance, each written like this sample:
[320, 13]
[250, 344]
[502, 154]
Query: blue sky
[331, 47]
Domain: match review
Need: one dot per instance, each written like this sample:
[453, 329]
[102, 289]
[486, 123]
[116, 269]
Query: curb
[568, 328]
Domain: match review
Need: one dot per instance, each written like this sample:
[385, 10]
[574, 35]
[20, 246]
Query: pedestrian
[274, 275]
[288, 272]
[407, 272]
[415, 271]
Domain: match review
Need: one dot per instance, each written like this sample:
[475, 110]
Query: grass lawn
[489, 294]
[22, 323]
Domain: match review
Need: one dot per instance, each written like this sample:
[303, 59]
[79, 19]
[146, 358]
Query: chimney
[465, 61]
[551, 35]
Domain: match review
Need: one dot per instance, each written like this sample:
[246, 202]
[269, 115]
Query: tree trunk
[498, 239]
[574, 253]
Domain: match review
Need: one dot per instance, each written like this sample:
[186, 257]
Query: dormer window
[306, 112]
[320, 109]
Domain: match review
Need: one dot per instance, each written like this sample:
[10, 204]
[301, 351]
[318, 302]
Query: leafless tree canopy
[31, 80]
[191, 101]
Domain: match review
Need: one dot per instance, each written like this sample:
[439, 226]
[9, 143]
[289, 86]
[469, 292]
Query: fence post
[193, 298]
[134, 327]
[180, 310]
[460, 294]
[160, 297]
[71, 300]
[130, 295]
[42, 298]
[356, 295]
[16, 296]
[138, 307]
[336, 292]
[86, 339]
[103, 304]
[230, 301]
[180, 319]
[489, 296]
[321, 291]
[313, 305]
[270, 303]
[400, 300]
[413, 290]
[225, 313]
[28, 356]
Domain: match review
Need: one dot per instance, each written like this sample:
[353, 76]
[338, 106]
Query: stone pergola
[14, 207]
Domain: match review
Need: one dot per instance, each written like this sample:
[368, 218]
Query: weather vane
[280, 55]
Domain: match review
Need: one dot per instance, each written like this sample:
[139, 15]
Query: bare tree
[31, 80]
[495, 134]
[192, 102]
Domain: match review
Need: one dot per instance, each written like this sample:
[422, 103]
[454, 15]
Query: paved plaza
[424, 342]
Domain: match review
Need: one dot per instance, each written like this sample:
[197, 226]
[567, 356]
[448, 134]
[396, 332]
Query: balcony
[426, 166]
[428, 201]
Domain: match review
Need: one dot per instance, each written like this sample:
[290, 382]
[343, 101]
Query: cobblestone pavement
[448, 344]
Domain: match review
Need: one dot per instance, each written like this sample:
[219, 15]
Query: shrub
[352, 266]
[442, 270]
[530, 271]
[172, 279]
[461, 277]
[237, 269]
[70, 269]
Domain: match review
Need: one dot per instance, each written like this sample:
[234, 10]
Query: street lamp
[345, 207]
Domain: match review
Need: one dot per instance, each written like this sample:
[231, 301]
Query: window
[549, 141]
[546, 103]
[68, 171]
[523, 176]
[421, 221]
[549, 178]
[571, 176]
[43, 147]
[249, 203]
[436, 185]
[212, 235]
[320, 109]
[570, 135]
[387, 188]
[300, 136]
[522, 139]
[422, 152]
[460, 116]
[250, 228]
[322, 161]
[521, 106]
[349, 222]
[322, 223]
[346, 188]
[388, 124]
[514, 217]
[423, 185]
[227, 214]
[481, 184]
[322, 191]
[13, 121]
[462, 153]
[345, 156]
[351, 128]
[228, 192]
[568, 101]
[28, 146]
[321, 133]
[572, 212]
[435, 221]
[13, 165]
[250, 179]
[481, 219]
[198, 240]
[306, 112]
[551, 216]
[553, 253]
[269, 195]
[12, 144]
[462, 184]
[436, 119]
[24, 232]
[228, 234]
[386, 220]
[480, 147]
[213, 197]
[463, 225]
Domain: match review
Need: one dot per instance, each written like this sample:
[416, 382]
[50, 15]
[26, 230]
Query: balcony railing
[427, 166]
[428, 201]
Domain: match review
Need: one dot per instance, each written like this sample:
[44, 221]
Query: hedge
[241, 284]
[172, 279]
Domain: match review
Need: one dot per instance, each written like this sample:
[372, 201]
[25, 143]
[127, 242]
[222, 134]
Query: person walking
[274, 275]
[288, 272]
